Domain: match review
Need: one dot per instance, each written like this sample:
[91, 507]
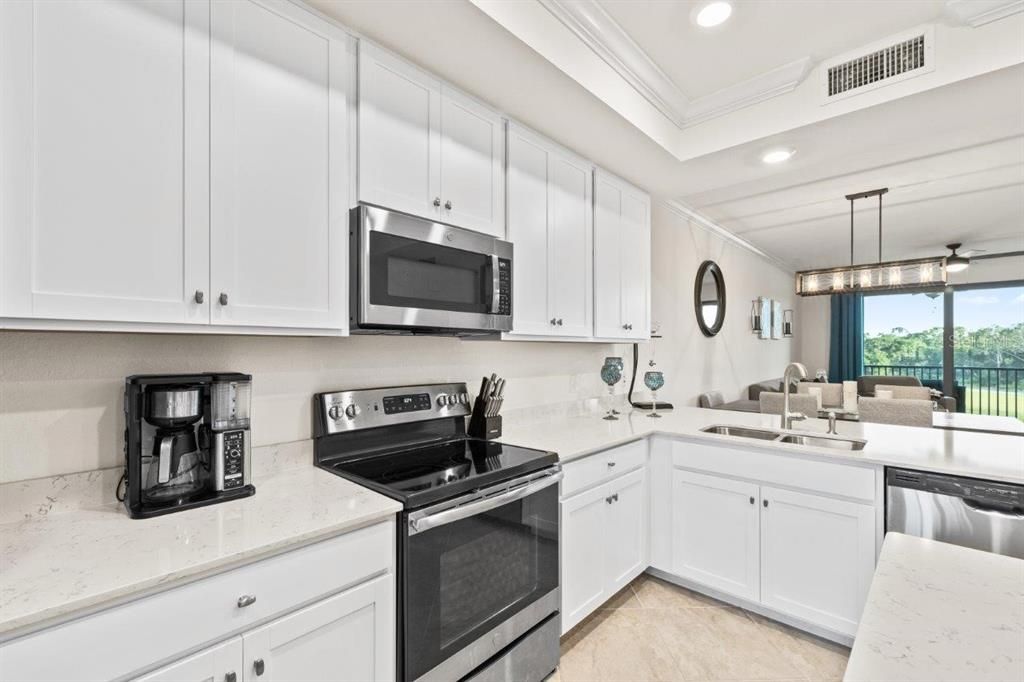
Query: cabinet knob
[230, 677]
[765, 503]
[611, 464]
[437, 201]
[615, 497]
[246, 600]
[751, 499]
[200, 296]
[223, 299]
[448, 205]
[554, 321]
[608, 499]
[559, 322]
[258, 666]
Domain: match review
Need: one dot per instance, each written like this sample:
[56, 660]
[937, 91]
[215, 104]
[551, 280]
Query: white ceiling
[759, 36]
[953, 156]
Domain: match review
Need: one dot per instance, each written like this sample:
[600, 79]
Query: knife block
[481, 426]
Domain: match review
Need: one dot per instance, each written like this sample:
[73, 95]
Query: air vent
[895, 59]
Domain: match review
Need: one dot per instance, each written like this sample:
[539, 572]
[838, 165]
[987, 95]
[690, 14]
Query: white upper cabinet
[472, 165]
[280, 79]
[622, 259]
[104, 139]
[550, 216]
[427, 149]
[399, 134]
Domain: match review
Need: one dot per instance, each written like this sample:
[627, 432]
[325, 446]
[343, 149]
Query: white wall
[735, 358]
[60, 393]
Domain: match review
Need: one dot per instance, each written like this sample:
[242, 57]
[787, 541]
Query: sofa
[866, 388]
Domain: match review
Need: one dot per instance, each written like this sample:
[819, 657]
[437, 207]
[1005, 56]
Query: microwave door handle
[495, 284]
[442, 518]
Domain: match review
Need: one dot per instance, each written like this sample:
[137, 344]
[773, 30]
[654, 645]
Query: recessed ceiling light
[777, 155]
[713, 14]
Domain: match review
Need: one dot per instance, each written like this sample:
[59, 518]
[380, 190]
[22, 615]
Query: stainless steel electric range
[478, 592]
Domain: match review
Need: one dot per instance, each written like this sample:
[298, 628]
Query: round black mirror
[709, 298]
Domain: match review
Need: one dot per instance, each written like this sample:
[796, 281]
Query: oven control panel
[339, 411]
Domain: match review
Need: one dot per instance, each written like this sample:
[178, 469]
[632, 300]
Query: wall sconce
[787, 323]
[755, 316]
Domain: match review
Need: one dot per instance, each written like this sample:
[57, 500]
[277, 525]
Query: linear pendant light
[880, 276]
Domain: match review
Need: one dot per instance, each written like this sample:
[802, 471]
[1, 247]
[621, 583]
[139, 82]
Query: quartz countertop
[965, 453]
[54, 566]
[938, 612]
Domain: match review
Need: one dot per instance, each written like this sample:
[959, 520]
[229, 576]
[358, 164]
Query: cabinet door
[715, 532]
[528, 232]
[215, 664]
[584, 547]
[635, 247]
[817, 557]
[571, 261]
[399, 134]
[626, 533]
[280, 82]
[472, 163]
[622, 255]
[104, 132]
[349, 637]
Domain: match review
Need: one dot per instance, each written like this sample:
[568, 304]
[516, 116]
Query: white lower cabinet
[817, 557]
[220, 663]
[715, 532]
[604, 545]
[325, 611]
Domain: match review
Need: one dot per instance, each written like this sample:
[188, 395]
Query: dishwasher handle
[982, 508]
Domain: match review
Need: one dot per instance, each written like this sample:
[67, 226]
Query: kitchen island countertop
[940, 613]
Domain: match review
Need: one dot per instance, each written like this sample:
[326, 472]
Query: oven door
[414, 273]
[479, 572]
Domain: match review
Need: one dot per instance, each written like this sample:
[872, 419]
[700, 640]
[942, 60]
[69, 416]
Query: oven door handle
[442, 518]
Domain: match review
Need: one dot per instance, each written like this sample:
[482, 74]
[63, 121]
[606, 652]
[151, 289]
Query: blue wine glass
[611, 375]
[617, 362]
[654, 380]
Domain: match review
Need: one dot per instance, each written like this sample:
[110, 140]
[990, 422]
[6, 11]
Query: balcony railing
[980, 390]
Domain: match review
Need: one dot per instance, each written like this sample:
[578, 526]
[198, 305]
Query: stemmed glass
[654, 380]
[611, 375]
[617, 362]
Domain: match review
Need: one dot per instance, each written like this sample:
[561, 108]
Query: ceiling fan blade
[971, 252]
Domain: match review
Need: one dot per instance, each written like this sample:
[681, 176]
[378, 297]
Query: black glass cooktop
[426, 474]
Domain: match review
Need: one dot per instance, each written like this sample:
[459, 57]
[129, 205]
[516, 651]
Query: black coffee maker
[186, 441]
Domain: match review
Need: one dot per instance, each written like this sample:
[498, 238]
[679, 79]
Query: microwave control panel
[504, 286]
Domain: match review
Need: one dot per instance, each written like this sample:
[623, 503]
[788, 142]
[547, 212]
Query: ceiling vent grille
[896, 59]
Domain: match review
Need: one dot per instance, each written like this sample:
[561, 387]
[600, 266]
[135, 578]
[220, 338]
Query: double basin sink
[808, 439]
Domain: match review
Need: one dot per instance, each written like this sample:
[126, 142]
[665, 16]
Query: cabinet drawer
[601, 466]
[150, 630]
[791, 471]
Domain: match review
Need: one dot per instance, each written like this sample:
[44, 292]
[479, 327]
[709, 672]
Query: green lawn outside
[986, 401]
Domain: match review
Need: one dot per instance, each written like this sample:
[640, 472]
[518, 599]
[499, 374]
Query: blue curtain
[846, 341]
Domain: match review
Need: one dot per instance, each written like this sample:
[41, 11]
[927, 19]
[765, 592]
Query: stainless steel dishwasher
[970, 512]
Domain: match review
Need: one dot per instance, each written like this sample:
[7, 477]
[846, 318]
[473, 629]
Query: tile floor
[655, 631]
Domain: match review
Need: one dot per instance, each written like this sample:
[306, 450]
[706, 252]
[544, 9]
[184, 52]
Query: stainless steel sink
[823, 442]
[742, 431]
[810, 440]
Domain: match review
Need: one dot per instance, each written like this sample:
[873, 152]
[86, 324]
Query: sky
[973, 309]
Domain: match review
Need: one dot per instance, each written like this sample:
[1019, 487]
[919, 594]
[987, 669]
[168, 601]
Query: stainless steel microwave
[414, 275]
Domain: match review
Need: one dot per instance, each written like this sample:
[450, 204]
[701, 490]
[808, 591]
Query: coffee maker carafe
[186, 441]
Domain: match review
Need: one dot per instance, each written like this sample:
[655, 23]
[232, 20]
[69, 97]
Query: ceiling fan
[958, 262]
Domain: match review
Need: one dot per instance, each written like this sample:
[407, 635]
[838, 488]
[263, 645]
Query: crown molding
[602, 34]
[608, 40]
[770, 84]
[977, 13]
[701, 220]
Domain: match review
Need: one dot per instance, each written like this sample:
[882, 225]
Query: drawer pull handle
[258, 666]
[246, 600]
[611, 464]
